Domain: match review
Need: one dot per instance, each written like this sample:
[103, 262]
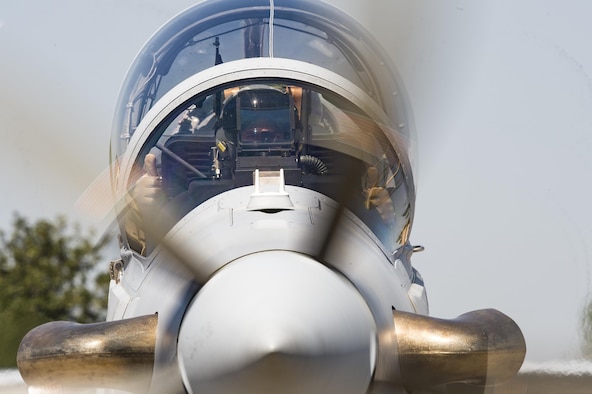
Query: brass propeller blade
[482, 347]
[116, 354]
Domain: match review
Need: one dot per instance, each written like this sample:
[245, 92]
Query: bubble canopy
[246, 85]
[309, 31]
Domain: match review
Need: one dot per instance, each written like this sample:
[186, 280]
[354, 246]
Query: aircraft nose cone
[273, 322]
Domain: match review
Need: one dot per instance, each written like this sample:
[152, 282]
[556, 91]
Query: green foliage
[47, 273]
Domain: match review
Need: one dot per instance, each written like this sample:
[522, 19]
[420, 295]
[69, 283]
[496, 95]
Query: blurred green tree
[47, 272]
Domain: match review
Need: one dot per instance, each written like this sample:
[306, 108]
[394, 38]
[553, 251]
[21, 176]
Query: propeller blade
[482, 347]
[327, 233]
[117, 354]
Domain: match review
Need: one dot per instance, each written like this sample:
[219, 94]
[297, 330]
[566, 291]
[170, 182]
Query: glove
[148, 192]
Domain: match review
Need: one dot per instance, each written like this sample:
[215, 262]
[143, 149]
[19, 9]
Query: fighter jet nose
[277, 321]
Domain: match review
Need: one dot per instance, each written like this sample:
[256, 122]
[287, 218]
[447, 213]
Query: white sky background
[502, 96]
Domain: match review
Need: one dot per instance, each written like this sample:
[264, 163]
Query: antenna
[218, 97]
[271, 16]
[218, 56]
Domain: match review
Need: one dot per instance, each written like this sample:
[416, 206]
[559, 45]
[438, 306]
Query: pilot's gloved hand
[148, 192]
[376, 196]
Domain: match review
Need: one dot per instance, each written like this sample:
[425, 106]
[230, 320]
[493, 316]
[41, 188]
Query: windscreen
[319, 140]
